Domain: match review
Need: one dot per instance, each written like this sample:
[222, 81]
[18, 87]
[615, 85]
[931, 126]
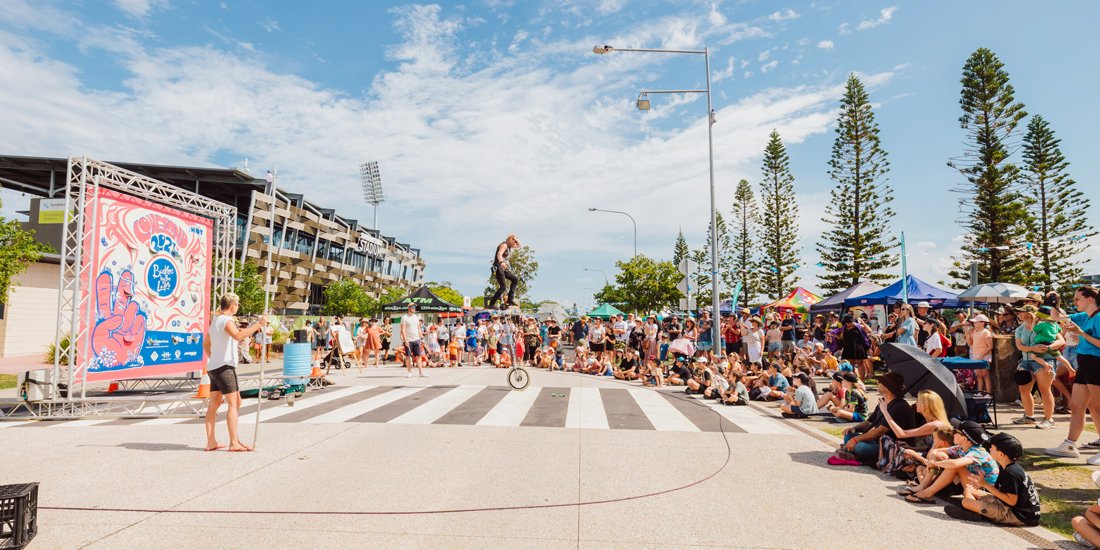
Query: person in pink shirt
[980, 341]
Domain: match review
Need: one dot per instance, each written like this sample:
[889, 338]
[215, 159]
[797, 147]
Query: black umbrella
[924, 372]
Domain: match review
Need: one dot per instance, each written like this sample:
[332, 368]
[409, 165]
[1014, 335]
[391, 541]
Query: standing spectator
[1041, 377]
[732, 335]
[788, 328]
[960, 332]
[907, 326]
[979, 343]
[1086, 387]
[579, 330]
[412, 338]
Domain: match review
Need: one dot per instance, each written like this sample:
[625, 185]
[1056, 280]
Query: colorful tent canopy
[605, 311]
[919, 291]
[426, 302]
[799, 300]
[836, 301]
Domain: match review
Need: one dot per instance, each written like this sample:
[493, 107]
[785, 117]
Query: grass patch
[1090, 428]
[835, 432]
[7, 381]
[1065, 490]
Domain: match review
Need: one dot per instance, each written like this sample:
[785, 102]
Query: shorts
[224, 379]
[993, 509]
[788, 345]
[471, 345]
[775, 346]
[1070, 353]
[596, 348]
[1088, 370]
[856, 417]
[1034, 367]
[415, 348]
[703, 345]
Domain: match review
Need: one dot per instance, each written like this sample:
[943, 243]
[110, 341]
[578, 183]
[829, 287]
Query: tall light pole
[599, 271]
[643, 104]
[631, 221]
[372, 187]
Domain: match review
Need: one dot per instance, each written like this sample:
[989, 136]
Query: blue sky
[493, 116]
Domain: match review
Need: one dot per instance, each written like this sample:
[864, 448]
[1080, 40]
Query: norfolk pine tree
[996, 212]
[1058, 227]
[726, 277]
[743, 226]
[854, 248]
[778, 232]
[680, 251]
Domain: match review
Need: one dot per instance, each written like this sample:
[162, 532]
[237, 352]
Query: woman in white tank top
[221, 345]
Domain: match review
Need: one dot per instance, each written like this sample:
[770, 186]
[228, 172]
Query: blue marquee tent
[836, 301]
[919, 291]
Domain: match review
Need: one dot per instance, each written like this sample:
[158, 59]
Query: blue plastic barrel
[296, 362]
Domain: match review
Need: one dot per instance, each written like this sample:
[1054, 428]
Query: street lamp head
[602, 49]
[591, 209]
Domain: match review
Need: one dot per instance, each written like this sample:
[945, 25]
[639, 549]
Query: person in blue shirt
[907, 327]
[1086, 386]
[777, 383]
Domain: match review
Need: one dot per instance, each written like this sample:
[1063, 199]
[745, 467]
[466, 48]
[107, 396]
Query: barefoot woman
[220, 346]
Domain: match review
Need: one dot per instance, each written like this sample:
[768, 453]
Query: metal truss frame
[84, 177]
[140, 406]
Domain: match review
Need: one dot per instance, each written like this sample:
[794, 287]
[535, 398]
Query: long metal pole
[716, 312]
[267, 303]
[631, 221]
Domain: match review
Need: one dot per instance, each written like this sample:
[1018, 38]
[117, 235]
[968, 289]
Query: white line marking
[586, 409]
[512, 409]
[435, 409]
[663, 415]
[345, 413]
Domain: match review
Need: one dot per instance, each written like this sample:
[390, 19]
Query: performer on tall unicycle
[502, 271]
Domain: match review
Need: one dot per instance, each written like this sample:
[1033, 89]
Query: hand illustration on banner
[120, 330]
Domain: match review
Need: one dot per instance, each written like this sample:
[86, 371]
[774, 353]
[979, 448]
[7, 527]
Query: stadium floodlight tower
[372, 187]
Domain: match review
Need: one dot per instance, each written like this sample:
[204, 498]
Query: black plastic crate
[18, 514]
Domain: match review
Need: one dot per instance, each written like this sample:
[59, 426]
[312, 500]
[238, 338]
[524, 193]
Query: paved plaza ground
[379, 460]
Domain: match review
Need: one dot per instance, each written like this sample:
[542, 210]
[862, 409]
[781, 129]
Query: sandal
[906, 491]
[916, 499]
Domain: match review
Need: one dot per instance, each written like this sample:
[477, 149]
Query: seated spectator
[854, 407]
[773, 387]
[891, 458]
[942, 439]
[653, 375]
[678, 373]
[802, 402]
[861, 441]
[702, 377]
[737, 394]
[1087, 527]
[628, 365]
[1012, 501]
[719, 384]
[968, 457]
[833, 396]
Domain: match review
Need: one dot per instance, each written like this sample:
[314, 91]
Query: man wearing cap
[501, 271]
[1012, 500]
[862, 440]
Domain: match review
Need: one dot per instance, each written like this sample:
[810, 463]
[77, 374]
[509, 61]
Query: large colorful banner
[150, 296]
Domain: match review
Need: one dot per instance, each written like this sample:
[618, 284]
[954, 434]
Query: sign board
[149, 303]
[51, 211]
[344, 342]
[686, 268]
[688, 304]
[466, 302]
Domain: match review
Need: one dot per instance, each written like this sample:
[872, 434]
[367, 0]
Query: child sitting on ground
[833, 396]
[1011, 501]
[678, 373]
[802, 402]
[653, 375]
[942, 439]
[855, 400]
[972, 457]
[737, 394]
[719, 384]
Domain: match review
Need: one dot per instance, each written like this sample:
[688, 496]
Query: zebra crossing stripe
[662, 414]
[751, 421]
[511, 410]
[586, 410]
[13, 424]
[271, 413]
[344, 414]
[436, 408]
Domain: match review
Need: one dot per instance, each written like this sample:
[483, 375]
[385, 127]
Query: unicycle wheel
[518, 378]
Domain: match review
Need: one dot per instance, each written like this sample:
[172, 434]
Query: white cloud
[517, 40]
[524, 146]
[718, 76]
[825, 44]
[783, 15]
[138, 8]
[715, 17]
[763, 55]
[885, 16]
[270, 25]
[769, 66]
[608, 7]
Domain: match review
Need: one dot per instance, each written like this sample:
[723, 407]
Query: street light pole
[705, 52]
[631, 221]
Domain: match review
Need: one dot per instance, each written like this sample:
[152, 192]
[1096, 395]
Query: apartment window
[304, 243]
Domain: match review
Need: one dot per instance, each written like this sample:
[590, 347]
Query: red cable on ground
[729, 454]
